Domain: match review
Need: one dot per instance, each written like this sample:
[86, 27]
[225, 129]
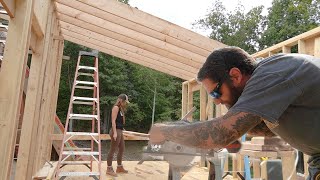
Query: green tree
[235, 28]
[289, 18]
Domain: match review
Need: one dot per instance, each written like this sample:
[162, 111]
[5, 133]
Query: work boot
[120, 169]
[111, 172]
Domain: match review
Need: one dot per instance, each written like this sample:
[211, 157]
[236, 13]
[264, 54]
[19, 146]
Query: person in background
[117, 142]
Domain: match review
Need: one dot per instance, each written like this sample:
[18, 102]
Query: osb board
[153, 170]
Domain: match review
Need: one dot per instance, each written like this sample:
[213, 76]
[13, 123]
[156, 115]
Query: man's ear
[236, 76]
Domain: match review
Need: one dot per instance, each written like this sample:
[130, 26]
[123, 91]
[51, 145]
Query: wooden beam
[210, 107]
[290, 42]
[286, 49]
[9, 6]
[118, 44]
[190, 99]
[33, 41]
[40, 16]
[27, 149]
[96, 11]
[184, 99]
[59, 137]
[317, 47]
[301, 47]
[36, 27]
[123, 56]
[141, 18]
[12, 76]
[130, 36]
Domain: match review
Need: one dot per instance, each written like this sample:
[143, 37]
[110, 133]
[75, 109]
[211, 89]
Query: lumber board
[9, 6]
[97, 12]
[184, 99]
[317, 47]
[129, 40]
[128, 53]
[12, 77]
[290, 42]
[141, 18]
[77, 14]
[123, 56]
[69, 28]
[190, 100]
[59, 137]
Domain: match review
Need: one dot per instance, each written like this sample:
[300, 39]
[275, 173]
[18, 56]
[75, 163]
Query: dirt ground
[133, 149]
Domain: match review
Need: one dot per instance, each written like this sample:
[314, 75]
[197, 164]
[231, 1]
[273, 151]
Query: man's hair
[220, 61]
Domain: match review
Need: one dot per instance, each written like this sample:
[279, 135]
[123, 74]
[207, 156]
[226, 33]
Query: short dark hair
[220, 61]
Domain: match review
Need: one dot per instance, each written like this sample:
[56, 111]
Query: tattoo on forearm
[218, 132]
[261, 130]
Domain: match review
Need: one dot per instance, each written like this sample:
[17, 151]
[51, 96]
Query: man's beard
[235, 94]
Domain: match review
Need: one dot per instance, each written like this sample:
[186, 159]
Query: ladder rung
[87, 67]
[83, 116]
[84, 98]
[86, 82]
[82, 134]
[85, 74]
[81, 153]
[84, 103]
[76, 149]
[62, 174]
[76, 162]
[84, 87]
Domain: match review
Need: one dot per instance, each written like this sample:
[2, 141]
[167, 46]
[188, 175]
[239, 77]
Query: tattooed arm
[261, 130]
[218, 132]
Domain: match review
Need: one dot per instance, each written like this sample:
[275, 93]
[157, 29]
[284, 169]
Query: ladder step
[81, 153]
[84, 98]
[86, 83]
[85, 74]
[84, 87]
[83, 116]
[84, 103]
[82, 134]
[64, 174]
[76, 149]
[76, 162]
[87, 67]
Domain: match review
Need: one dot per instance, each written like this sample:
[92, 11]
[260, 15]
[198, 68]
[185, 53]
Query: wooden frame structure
[105, 25]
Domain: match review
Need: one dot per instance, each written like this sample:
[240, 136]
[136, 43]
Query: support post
[12, 81]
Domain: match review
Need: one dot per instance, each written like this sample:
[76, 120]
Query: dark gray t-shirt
[285, 91]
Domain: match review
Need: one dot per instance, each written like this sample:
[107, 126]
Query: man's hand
[155, 134]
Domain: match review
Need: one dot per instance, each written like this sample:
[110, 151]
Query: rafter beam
[132, 37]
[160, 35]
[123, 56]
[118, 44]
[9, 6]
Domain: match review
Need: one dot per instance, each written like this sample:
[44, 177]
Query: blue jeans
[314, 167]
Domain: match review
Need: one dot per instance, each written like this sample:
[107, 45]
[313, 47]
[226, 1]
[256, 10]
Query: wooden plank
[44, 112]
[59, 137]
[10, 7]
[317, 47]
[144, 19]
[288, 167]
[36, 27]
[301, 47]
[40, 15]
[128, 40]
[286, 49]
[210, 107]
[95, 11]
[112, 42]
[33, 41]
[184, 99]
[77, 14]
[190, 100]
[12, 76]
[203, 116]
[290, 42]
[126, 57]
